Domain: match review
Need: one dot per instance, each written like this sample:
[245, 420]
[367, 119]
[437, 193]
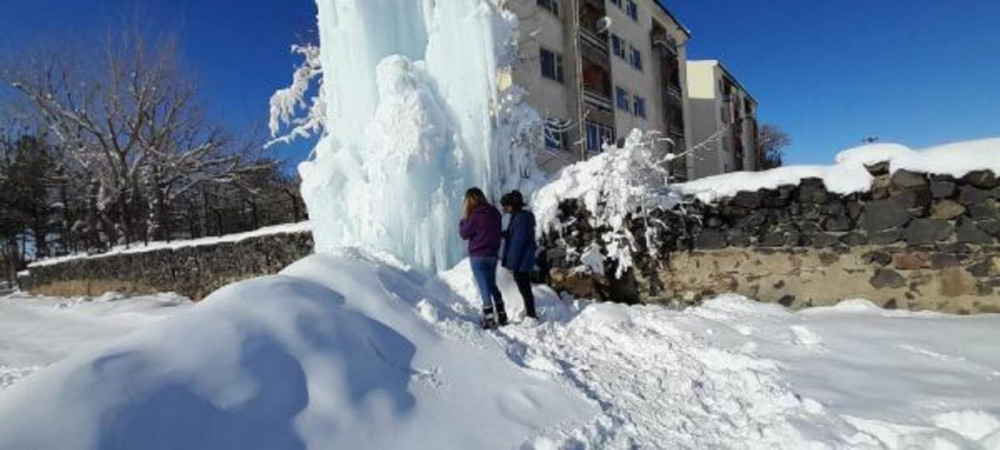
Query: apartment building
[723, 121]
[596, 69]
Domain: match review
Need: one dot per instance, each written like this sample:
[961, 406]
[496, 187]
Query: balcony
[591, 37]
[597, 100]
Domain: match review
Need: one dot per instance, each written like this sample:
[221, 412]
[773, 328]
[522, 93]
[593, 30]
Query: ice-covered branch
[295, 114]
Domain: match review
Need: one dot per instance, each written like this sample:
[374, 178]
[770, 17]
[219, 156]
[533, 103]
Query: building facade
[724, 130]
[596, 69]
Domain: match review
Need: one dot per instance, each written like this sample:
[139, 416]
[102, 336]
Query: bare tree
[771, 144]
[130, 127]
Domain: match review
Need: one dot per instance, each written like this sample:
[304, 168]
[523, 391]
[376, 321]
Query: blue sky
[829, 72]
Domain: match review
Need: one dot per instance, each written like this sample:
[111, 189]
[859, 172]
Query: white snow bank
[331, 353]
[906, 379]
[849, 175]
[38, 331]
[343, 351]
[287, 228]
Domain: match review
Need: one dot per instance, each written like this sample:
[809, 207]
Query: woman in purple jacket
[481, 225]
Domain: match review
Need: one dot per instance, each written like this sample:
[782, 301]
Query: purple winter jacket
[483, 229]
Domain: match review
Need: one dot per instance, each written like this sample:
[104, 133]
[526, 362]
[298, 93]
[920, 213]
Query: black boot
[488, 321]
[501, 316]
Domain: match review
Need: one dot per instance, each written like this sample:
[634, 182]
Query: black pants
[523, 280]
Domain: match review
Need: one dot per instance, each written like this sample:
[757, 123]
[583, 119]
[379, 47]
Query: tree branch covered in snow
[295, 114]
[620, 185]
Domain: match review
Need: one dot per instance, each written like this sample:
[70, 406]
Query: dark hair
[476, 196]
[514, 199]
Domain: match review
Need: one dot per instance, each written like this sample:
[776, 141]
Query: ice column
[416, 115]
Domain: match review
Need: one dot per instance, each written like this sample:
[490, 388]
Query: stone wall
[194, 271]
[913, 241]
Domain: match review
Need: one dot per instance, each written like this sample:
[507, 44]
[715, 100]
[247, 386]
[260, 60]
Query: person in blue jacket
[519, 247]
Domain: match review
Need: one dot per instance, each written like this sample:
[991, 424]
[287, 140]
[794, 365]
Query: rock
[927, 231]
[943, 261]
[946, 209]
[969, 195]
[810, 227]
[967, 232]
[748, 200]
[885, 237]
[981, 269]
[880, 187]
[854, 209]
[891, 304]
[812, 190]
[984, 179]
[773, 239]
[824, 240]
[738, 238]
[904, 179]
[988, 209]
[943, 189]
[854, 239]
[911, 261]
[710, 239]
[914, 198]
[879, 168]
[880, 258]
[837, 223]
[793, 239]
[882, 215]
[713, 222]
[787, 301]
[991, 226]
[887, 278]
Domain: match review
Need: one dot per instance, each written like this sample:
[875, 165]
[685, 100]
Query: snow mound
[329, 354]
[349, 351]
[849, 175]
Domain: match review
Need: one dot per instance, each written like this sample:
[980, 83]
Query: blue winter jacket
[519, 242]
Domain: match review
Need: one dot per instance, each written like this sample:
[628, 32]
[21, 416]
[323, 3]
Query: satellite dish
[604, 24]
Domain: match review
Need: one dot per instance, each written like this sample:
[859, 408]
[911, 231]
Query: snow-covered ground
[347, 351]
[38, 331]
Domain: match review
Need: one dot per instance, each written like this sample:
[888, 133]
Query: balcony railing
[591, 37]
[597, 100]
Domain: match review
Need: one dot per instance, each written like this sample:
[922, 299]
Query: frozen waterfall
[419, 108]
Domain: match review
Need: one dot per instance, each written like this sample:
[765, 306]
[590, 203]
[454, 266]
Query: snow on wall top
[849, 175]
[287, 228]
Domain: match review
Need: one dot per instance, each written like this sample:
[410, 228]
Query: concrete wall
[914, 241]
[191, 271]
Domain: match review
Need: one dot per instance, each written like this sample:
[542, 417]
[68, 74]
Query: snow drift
[330, 354]
[416, 113]
[345, 351]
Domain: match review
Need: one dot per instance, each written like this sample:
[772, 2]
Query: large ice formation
[419, 108]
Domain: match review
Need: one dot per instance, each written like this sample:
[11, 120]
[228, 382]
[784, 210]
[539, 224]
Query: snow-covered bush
[616, 187]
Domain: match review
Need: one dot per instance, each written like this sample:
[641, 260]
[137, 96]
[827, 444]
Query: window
[551, 5]
[598, 136]
[621, 96]
[555, 134]
[618, 46]
[639, 107]
[632, 10]
[635, 57]
[552, 66]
